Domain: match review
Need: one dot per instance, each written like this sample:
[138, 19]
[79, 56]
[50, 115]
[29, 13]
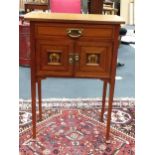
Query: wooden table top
[35, 3]
[109, 9]
[74, 18]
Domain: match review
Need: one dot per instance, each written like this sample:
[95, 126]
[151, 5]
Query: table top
[74, 18]
[109, 9]
[35, 3]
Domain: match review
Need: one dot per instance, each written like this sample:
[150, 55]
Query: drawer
[57, 30]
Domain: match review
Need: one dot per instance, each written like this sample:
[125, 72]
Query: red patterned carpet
[71, 127]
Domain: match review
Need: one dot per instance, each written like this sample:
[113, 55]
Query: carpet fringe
[75, 99]
[77, 102]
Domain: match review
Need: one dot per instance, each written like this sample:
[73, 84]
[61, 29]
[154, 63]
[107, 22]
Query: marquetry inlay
[54, 58]
[93, 59]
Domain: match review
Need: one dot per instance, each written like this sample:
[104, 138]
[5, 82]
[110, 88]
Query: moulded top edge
[68, 17]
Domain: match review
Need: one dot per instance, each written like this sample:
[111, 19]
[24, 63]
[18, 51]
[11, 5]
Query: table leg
[33, 93]
[110, 102]
[39, 99]
[103, 100]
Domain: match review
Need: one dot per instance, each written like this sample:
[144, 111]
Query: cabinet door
[93, 59]
[53, 57]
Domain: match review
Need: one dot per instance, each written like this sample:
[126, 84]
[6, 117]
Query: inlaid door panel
[94, 59]
[53, 57]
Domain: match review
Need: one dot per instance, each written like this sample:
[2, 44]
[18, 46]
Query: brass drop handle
[74, 33]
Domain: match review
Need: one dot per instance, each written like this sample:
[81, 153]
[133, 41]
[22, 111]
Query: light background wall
[127, 11]
[21, 4]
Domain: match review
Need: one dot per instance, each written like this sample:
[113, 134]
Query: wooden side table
[108, 8]
[32, 6]
[111, 11]
[73, 46]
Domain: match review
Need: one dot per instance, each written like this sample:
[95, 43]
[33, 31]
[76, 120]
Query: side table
[73, 46]
[32, 6]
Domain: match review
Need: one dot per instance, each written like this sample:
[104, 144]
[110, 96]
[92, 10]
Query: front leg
[103, 100]
[39, 99]
[110, 102]
[33, 93]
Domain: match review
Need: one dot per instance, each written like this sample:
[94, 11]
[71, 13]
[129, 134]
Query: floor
[85, 88]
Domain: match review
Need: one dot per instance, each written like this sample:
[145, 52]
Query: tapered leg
[39, 98]
[103, 100]
[111, 94]
[33, 93]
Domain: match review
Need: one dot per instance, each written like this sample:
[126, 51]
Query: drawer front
[53, 57]
[59, 30]
[94, 59]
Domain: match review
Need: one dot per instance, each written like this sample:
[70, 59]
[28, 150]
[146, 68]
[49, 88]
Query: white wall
[21, 4]
[127, 11]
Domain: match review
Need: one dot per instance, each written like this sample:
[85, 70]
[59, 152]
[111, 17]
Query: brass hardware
[74, 33]
[76, 57]
[73, 57]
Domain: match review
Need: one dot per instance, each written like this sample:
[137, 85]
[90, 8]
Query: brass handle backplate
[74, 33]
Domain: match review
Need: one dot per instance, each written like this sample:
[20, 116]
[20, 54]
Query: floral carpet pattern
[72, 127]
